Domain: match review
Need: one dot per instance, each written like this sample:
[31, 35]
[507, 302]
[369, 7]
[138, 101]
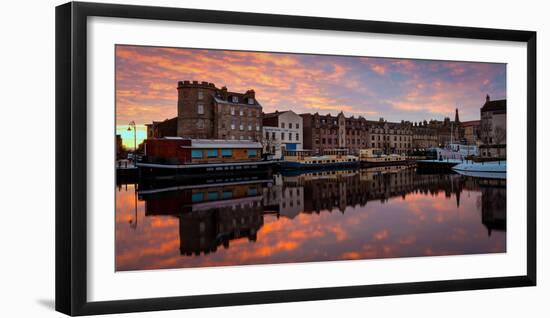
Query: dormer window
[250, 101]
[234, 99]
[201, 95]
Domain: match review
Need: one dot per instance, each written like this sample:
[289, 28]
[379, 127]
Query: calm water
[334, 215]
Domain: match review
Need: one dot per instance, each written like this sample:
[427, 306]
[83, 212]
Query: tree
[499, 138]
[485, 130]
[270, 145]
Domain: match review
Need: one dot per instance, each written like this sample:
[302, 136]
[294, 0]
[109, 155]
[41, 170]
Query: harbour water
[306, 217]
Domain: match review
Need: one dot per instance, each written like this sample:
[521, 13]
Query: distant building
[493, 128]
[159, 129]
[282, 131]
[208, 112]
[118, 146]
[325, 132]
[391, 137]
[471, 131]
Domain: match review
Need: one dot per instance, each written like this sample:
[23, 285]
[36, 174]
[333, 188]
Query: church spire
[456, 116]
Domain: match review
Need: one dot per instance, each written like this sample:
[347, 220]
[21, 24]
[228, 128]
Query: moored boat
[374, 157]
[303, 159]
[489, 169]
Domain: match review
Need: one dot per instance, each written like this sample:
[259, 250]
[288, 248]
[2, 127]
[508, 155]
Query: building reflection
[211, 216]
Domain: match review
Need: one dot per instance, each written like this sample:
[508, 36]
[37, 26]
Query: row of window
[241, 127]
[297, 125]
[233, 111]
[214, 153]
[290, 136]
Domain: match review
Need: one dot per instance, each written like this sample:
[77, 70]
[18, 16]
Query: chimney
[487, 98]
[224, 93]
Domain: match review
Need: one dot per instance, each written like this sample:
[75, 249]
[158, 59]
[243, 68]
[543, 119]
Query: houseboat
[374, 157]
[303, 159]
[176, 156]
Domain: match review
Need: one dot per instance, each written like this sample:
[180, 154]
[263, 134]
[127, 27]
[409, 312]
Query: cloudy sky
[396, 89]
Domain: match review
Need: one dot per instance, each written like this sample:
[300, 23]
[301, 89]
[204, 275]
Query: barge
[330, 159]
[175, 156]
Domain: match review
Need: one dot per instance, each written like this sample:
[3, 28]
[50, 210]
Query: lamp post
[132, 125]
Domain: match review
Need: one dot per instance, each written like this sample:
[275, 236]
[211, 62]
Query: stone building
[282, 131]
[424, 136]
[327, 132]
[208, 112]
[471, 131]
[392, 138]
[160, 129]
[492, 128]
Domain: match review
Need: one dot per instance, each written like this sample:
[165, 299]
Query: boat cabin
[177, 150]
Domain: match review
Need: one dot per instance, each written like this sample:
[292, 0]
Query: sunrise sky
[396, 89]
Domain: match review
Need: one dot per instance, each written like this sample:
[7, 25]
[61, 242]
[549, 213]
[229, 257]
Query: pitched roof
[494, 105]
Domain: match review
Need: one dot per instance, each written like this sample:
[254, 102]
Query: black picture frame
[71, 157]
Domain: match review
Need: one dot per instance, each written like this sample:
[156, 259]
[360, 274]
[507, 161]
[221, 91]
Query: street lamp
[132, 125]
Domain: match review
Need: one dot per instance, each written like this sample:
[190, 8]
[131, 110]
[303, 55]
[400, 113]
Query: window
[273, 135]
[196, 154]
[200, 124]
[257, 127]
[201, 94]
[267, 135]
[212, 153]
[200, 109]
[252, 153]
[212, 196]
[282, 125]
[290, 136]
[297, 136]
[197, 197]
[249, 137]
[241, 137]
[297, 126]
[241, 112]
[233, 125]
[227, 153]
[251, 101]
[241, 127]
[234, 99]
[290, 125]
[282, 136]
[252, 191]
[227, 194]
[232, 110]
[249, 127]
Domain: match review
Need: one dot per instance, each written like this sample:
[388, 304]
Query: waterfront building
[493, 128]
[208, 112]
[325, 132]
[471, 131]
[177, 150]
[282, 131]
[424, 136]
[390, 137]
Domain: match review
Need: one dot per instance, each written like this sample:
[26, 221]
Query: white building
[282, 131]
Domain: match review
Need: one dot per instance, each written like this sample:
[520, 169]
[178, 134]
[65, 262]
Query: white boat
[490, 169]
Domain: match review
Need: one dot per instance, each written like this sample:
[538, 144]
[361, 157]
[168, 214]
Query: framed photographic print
[209, 158]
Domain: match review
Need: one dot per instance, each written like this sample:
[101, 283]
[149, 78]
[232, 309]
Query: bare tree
[499, 138]
[270, 145]
[485, 130]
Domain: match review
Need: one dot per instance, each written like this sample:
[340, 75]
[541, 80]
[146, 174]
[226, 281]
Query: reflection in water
[318, 216]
